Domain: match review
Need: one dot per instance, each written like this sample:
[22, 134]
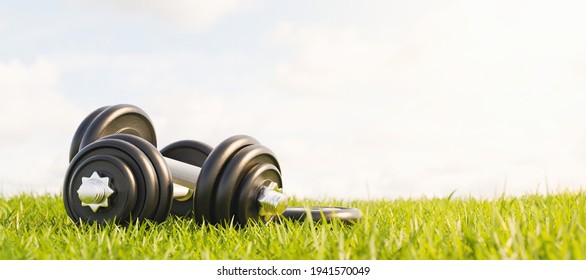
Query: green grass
[527, 227]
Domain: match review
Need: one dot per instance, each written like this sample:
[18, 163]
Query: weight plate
[81, 129]
[164, 184]
[246, 206]
[140, 166]
[120, 119]
[122, 181]
[210, 171]
[190, 152]
[237, 167]
[319, 213]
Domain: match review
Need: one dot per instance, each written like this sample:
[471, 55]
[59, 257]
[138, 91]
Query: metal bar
[184, 177]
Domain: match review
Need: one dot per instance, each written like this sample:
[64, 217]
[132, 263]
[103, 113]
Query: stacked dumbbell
[117, 174]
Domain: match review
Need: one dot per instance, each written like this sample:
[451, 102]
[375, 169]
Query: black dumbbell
[124, 178]
[129, 119]
[153, 196]
[196, 153]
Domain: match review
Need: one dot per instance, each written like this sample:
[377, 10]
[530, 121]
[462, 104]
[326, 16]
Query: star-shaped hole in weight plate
[94, 191]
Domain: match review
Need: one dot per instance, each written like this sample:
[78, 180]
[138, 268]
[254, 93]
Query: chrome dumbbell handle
[184, 178]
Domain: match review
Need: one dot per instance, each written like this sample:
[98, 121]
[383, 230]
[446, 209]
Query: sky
[358, 100]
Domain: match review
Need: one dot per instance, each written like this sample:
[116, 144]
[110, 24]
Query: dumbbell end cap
[272, 202]
[95, 191]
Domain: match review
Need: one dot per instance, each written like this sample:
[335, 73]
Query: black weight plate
[318, 213]
[120, 119]
[81, 129]
[190, 152]
[210, 172]
[142, 169]
[246, 207]
[230, 178]
[164, 185]
[121, 203]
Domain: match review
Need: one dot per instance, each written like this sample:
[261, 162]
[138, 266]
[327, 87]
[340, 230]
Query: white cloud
[472, 97]
[37, 125]
[31, 103]
[466, 97]
[332, 60]
[191, 14]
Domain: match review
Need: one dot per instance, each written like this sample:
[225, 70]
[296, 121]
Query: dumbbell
[154, 196]
[123, 177]
[195, 153]
[129, 119]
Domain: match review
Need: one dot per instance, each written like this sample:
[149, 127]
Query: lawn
[527, 227]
